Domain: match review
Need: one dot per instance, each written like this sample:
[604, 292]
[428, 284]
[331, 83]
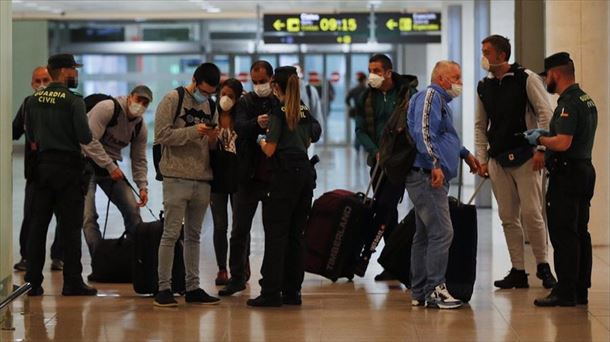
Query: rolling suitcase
[396, 254]
[145, 261]
[110, 262]
[335, 234]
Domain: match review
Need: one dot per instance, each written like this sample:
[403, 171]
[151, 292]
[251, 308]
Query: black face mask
[72, 83]
[551, 87]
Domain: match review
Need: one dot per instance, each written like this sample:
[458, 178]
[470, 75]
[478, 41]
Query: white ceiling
[181, 9]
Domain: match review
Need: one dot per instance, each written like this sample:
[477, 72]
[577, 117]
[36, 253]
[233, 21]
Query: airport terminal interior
[161, 43]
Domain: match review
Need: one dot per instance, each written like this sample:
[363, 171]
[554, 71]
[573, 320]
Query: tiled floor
[362, 310]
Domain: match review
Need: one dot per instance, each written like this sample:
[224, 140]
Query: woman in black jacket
[291, 130]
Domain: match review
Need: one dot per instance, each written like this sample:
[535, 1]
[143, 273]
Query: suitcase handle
[476, 191]
[140, 198]
[376, 169]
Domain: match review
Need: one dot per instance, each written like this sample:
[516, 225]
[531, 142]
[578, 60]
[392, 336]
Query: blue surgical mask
[199, 97]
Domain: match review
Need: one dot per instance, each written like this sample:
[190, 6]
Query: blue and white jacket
[430, 121]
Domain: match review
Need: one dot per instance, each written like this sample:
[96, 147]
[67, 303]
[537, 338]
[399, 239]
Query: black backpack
[157, 148]
[94, 99]
[397, 149]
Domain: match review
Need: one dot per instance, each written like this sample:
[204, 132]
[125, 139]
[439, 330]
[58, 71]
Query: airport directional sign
[316, 28]
[397, 27]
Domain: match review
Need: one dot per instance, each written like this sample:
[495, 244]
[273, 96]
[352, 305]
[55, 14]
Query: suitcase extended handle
[376, 169]
[138, 196]
[476, 191]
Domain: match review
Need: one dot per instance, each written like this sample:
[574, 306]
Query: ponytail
[292, 102]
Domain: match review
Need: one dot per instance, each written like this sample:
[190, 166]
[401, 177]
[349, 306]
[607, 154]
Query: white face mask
[375, 80]
[136, 109]
[263, 90]
[455, 90]
[41, 87]
[484, 63]
[226, 103]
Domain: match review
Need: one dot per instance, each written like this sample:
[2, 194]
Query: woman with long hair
[291, 130]
[224, 165]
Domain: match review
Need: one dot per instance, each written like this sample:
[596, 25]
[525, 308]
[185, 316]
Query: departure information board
[348, 28]
[396, 27]
[316, 28]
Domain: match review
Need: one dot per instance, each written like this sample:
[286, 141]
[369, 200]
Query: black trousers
[568, 198]
[28, 210]
[284, 218]
[218, 204]
[246, 201]
[59, 186]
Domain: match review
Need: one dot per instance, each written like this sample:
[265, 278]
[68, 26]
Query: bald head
[40, 78]
[444, 69]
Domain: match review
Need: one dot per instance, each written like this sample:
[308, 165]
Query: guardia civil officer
[571, 181]
[291, 130]
[56, 126]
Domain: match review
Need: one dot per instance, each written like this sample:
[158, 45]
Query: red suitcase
[336, 234]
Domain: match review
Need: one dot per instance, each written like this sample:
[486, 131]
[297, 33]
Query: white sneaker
[440, 298]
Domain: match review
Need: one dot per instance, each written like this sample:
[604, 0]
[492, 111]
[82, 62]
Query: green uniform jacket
[575, 115]
[55, 119]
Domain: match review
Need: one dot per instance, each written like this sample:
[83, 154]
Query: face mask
[41, 87]
[484, 63]
[375, 80]
[72, 83]
[136, 109]
[263, 90]
[455, 90]
[226, 103]
[199, 97]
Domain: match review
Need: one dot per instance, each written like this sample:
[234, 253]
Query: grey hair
[441, 67]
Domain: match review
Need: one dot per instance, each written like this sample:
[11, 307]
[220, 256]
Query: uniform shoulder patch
[563, 113]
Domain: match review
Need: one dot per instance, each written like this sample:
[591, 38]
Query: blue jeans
[184, 201]
[433, 235]
[121, 195]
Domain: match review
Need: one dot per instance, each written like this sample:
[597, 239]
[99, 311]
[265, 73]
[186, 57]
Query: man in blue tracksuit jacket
[439, 150]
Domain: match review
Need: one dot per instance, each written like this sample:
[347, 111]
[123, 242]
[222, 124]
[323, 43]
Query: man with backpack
[388, 92]
[116, 123]
[185, 128]
[512, 100]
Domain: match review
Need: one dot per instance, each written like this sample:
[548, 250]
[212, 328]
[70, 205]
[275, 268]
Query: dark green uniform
[571, 184]
[288, 204]
[56, 122]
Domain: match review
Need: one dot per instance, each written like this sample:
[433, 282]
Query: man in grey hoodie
[186, 135]
[114, 124]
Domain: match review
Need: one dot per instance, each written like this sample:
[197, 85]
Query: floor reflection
[362, 310]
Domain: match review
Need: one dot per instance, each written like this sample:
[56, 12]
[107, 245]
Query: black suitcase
[396, 254]
[462, 263]
[112, 258]
[146, 259]
[111, 261]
